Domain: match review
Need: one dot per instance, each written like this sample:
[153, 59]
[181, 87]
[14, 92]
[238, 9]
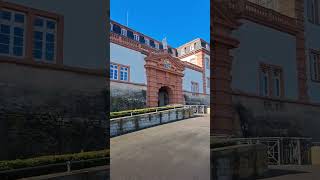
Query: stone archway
[163, 71]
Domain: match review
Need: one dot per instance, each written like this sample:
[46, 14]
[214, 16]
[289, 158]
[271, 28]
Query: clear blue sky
[179, 20]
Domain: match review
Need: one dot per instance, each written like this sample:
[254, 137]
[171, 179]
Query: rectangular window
[123, 32]
[147, 41]
[124, 73]
[44, 39]
[313, 11]
[130, 34]
[315, 65]
[113, 71]
[141, 39]
[116, 29]
[156, 45]
[191, 48]
[271, 81]
[207, 63]
[194, 88]
[119, 72]
[136, 37]
[12, 33]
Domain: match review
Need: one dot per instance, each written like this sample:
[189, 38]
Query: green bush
[219, 142]
[140, 111]
[52, 159]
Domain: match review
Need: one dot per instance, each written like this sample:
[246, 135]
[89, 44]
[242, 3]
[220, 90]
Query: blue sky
[179, 20]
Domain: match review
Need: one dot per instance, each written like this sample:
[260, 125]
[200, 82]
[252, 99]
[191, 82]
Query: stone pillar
[300, 53]
[222, 113]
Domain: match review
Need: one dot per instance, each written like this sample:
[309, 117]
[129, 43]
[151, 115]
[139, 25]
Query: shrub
[52, 159]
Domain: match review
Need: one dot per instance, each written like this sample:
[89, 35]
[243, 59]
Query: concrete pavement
[174, 151]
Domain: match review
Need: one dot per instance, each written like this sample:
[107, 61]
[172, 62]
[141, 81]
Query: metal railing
[198, 109]
[283, 150]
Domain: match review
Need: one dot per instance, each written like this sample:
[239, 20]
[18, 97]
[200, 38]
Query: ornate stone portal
[164, 72]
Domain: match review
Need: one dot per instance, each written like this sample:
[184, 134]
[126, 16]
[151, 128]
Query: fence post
[299, 151]
[279, 152]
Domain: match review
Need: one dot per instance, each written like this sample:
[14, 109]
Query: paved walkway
[293, 173]
[174, 151]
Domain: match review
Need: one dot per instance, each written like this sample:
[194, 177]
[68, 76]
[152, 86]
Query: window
[160, 46]
[157, 45]
[44, 39]
[119, 72]
[194, 88]
[130, 34]
[208, 82]
[12, 33]
[116, 29]
[123, 32]
[270, 81]
[182, 52]
[152, 44]
[191, 48]
[141, 39]
[124, 73]
[207, 63]
[313, 10]
[111, 27]
[136, 37]
[113, 71]
[146, 41]
[315, 65]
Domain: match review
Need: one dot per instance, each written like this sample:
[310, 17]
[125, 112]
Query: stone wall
[238, 162]
[46, 111]
[128, 124]
[126, 96]
[200, 99]
[265, 117]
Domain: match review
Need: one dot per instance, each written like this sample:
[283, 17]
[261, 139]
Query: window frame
[315, 76]
[267, 71]
[30, 14]
[195, 88]
[119, 70]
[12, 25]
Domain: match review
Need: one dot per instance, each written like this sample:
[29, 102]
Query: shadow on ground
[280, 172]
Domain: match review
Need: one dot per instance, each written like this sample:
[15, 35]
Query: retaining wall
[238, 162]
[128, 124]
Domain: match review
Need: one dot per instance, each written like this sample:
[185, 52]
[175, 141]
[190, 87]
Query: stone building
[53, 88]
[147, 72]
[266, 58]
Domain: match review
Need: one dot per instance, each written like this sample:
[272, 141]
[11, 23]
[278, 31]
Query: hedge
[219, 142]
[141, 111]
[51, 159]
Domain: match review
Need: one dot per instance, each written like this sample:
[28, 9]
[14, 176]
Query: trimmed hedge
[52, 159]
[141, 111]
[218, 143]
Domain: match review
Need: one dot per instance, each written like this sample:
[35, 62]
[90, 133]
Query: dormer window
[136, 37]
[191, 48]
[147, 41]
[123, 32]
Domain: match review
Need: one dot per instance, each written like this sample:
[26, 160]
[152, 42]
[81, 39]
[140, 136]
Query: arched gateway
[164, 79]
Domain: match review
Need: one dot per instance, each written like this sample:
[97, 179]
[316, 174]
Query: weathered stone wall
[46, 111]
[128, 124]
[239, 162]
[263, 117]
[127, 96]
[195, 100]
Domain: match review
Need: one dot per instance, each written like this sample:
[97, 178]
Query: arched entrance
[163, 96]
